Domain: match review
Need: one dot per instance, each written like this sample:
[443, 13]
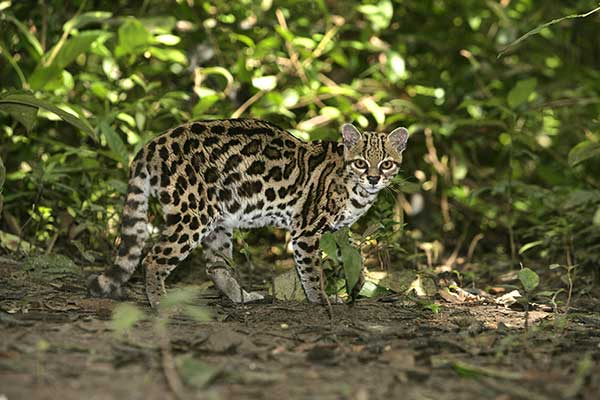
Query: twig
[294, 58]
[290, 48]
[241, 109]
[452, 258]
[168, 363]
[324, 41]
[513, 390]
[473, 245]
[539, 28]
[63, 39]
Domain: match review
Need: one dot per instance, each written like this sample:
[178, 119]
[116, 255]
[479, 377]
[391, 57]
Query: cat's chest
[353, 208]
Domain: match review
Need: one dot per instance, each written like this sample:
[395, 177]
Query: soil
[57, 343]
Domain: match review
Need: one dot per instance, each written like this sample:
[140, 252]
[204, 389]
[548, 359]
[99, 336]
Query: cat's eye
[360, 164]
[387, 164]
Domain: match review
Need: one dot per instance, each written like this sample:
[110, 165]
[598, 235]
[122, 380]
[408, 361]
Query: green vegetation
[502, 164]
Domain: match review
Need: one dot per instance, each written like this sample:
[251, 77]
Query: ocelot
[213, 176]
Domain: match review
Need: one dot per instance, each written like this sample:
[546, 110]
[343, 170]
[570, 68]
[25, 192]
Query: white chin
[372, 189]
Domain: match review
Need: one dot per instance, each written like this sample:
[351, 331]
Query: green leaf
[371, 289]
[69, 50]
[530, 245]
[352, 261]
[75, 46]
[374, 109]
[204, 104]
[172, 55]
[180, 297]
[583, 151]
[196, 373]
[596, 218]
[168, 39]
[580, 197]
[2, 175]
[86, 18]
[115, 143]
[521, 92]
[265, 83]
[29, 100]
[133, 38]
[41, 76]
[529, 279]
[329, 246]
[125, 316]
[197, 313]
[380, 14]
[26, 115]
[341, 237]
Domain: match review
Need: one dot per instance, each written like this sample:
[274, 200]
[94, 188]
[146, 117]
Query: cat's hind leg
[217, 251]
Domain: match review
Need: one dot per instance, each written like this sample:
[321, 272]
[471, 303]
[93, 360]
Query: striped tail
[133, 236]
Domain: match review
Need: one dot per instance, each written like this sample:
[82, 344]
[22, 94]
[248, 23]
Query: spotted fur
[213, 176]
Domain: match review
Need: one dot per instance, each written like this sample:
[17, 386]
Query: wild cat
[213, 176]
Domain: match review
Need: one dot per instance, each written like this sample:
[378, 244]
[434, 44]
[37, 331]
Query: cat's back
[220, 143]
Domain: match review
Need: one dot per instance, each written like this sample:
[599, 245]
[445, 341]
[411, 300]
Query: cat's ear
[398, 138]
[350, 134]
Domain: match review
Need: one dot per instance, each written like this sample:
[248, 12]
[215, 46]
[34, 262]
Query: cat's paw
[250, 297]
[319, 299]
[333, 299]
[245, 297]
[101, 286]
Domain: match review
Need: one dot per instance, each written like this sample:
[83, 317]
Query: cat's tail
[134, 231]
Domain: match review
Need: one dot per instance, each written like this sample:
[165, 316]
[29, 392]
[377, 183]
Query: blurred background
[503, 163]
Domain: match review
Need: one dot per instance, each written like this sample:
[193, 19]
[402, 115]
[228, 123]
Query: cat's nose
[373, 179]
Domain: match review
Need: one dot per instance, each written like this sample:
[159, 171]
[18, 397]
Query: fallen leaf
[288, 287]
[509, 298]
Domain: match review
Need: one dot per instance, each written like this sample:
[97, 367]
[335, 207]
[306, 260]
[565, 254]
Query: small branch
[241, 109]
[168, 363]
[539, 28]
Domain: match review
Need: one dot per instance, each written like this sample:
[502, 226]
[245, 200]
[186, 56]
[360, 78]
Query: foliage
[349, 257]
[504, 137]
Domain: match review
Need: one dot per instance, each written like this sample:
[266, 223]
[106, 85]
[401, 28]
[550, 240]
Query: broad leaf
[49, 70]
[125, 316]
[596, 218]
[352, 262]
[115, 143]
[29, 100]
[521, 92]
[180, 297]
[329, 246]
[134, 38]
[26, 115]
[75, 46]
[583, 151]
[530, 245]
[529, 279]
[86, 18]
[265, 83]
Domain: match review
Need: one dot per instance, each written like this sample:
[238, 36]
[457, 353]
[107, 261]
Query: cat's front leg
[307, 255]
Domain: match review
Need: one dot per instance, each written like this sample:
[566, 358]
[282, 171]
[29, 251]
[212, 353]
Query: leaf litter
[379, 348]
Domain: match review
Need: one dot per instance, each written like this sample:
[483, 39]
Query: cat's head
[373, 158]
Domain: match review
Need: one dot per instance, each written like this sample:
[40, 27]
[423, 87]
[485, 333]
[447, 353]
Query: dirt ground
[57, 343]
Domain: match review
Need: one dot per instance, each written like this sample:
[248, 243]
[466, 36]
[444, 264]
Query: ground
[56, 342]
